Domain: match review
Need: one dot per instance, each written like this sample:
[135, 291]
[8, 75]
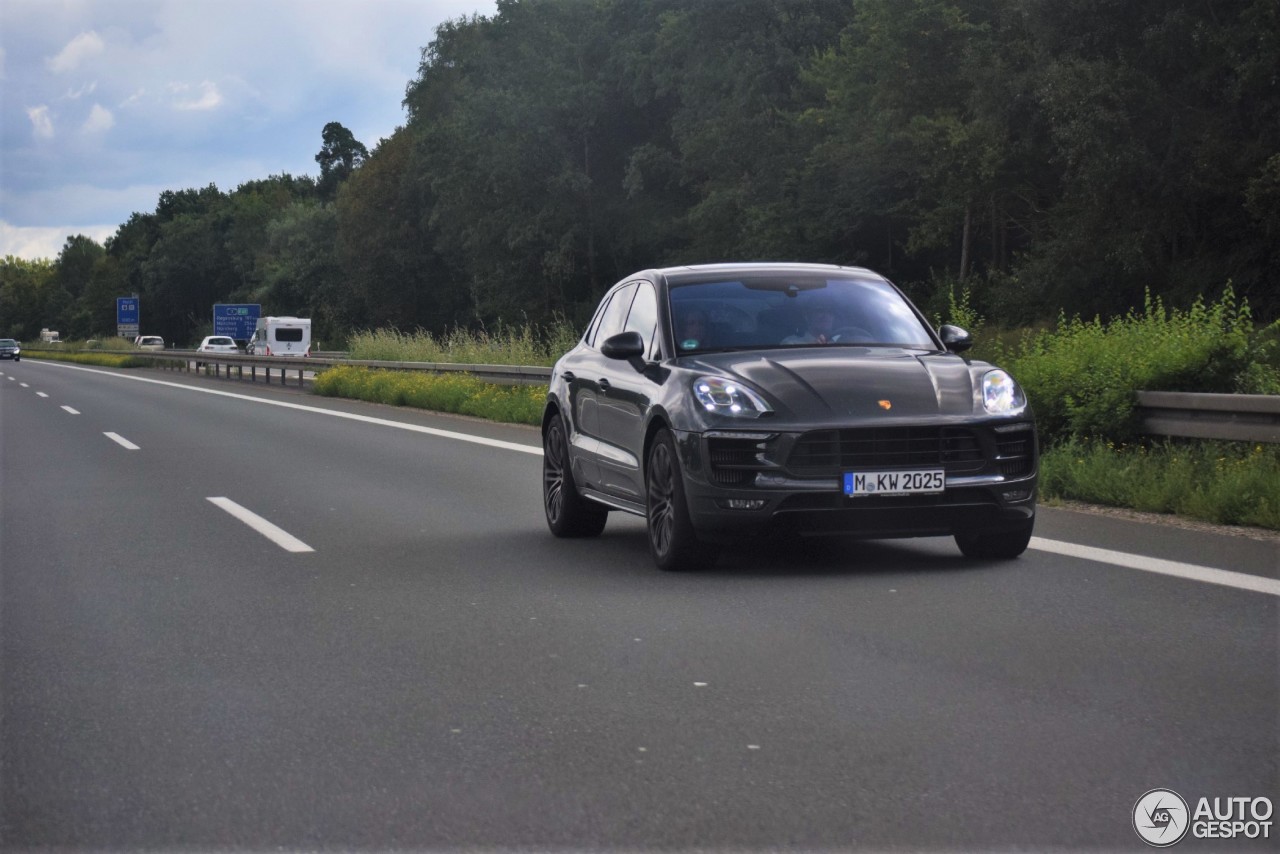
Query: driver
[820, 321]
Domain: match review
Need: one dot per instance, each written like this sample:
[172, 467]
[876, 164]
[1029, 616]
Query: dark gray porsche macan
[722, 402]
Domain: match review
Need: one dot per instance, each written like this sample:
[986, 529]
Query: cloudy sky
[104, 104]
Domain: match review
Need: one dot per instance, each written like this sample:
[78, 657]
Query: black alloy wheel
[568, 513]
[672, 540]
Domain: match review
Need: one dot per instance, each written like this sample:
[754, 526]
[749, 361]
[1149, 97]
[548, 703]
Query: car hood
[836, 384]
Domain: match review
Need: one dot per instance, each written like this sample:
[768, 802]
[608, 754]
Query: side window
[614, 315]
[644, 314]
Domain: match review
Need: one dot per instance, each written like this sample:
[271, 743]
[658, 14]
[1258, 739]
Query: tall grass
[1222, 482]
[457, 393]
[504, 345]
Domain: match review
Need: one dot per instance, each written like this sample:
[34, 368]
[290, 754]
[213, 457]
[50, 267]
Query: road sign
[128, 316]
[236, 321]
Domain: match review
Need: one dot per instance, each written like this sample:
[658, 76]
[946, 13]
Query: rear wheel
[568, 513]
[672, 540]
[1004, 545]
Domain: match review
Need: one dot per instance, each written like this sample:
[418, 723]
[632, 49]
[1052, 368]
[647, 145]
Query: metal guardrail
[289, 366]
[1233, 417]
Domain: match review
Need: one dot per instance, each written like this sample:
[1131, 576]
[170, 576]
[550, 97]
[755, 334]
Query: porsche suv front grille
[826, 452]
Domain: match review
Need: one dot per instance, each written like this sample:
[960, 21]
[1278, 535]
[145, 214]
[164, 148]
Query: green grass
[461, 394]
[1228, 483]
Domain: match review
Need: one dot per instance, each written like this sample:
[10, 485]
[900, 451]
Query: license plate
[894, 482]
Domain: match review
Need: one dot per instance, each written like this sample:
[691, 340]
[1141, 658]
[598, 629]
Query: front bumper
[990, 494]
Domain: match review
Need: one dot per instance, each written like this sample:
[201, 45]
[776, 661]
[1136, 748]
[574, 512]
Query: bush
[1082, 377]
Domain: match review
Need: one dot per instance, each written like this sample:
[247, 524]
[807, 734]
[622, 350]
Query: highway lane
[440, 672]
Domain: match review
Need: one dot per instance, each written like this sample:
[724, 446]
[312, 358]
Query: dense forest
[1048, 155]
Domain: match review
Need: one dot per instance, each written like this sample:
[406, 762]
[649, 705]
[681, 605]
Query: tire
[672, 540]
[568, 513]
[1004, 545]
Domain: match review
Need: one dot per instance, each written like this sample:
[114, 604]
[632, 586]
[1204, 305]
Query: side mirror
[624, 346]
[954, 338]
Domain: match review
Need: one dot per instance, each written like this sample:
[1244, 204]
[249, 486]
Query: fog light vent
[1016, 495]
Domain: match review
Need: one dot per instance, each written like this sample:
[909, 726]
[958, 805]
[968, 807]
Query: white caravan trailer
[281, 336]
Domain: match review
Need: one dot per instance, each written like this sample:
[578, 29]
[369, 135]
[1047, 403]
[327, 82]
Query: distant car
[218, 344]
[149, 342]
[9, 349]
[722, 401]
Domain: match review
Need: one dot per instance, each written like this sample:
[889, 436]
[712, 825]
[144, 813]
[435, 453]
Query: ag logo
[1160, 817]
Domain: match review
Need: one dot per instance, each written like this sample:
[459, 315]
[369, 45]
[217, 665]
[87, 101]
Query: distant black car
[10, 349]
[724, 401]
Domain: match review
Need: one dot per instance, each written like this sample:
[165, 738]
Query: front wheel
[672, 540]
[568, 513]
[1004, 545]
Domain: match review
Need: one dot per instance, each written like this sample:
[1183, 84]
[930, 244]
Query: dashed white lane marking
[122, 441]
[382, 422]
[24, 385]
[72, 411]
[1205, 574]
[41, 394]
[274, 533]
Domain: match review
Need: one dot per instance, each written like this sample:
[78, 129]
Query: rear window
[288, 335]
[222, 342]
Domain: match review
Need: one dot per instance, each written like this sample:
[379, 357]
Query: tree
[339, 157]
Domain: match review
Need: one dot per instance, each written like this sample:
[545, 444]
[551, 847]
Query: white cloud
[80, 48]
[100, 120]
[208, 99]
[41, 122]
[256, 98]
[77, 94]
[31, 244]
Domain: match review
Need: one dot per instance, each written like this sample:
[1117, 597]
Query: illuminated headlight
[728, 397]
[1001, 395]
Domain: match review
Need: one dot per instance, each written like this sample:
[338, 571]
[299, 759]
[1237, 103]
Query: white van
[281, 336]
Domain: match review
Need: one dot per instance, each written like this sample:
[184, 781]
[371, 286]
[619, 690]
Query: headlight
[728, 397]
[1001, 395]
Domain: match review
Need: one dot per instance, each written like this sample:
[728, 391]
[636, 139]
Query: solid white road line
[1206, 574]
[382, 422]
[72, 411]
[275, 534]
[122, 441]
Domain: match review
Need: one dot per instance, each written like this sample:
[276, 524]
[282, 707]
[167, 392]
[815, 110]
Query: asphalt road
[430, 669]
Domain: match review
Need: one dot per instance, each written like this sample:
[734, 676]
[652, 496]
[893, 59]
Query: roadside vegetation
[104, 353]
[1082, 377]
[526, 344]
[460, 394]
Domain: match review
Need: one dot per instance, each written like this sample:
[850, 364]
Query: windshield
[781, 310]
[8, 342]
